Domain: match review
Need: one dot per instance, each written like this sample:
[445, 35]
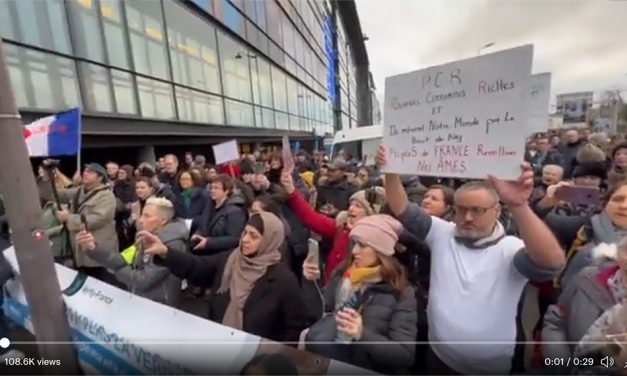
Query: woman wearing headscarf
[370, 307]
[251, 289]
[594, 290]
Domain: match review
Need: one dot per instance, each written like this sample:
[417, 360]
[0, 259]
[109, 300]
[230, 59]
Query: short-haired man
[139, 273]
[478, 273]
[170, 171]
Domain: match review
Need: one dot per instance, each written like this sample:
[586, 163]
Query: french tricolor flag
[54, 135]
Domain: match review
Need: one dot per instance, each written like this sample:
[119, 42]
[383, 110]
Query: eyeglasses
[474, 211]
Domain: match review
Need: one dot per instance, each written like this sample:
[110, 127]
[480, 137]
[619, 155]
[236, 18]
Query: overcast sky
[582, 43]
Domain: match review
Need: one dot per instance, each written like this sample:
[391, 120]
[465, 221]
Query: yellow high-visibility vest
[129, 254]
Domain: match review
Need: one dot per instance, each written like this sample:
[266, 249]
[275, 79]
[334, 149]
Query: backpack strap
[75, 200]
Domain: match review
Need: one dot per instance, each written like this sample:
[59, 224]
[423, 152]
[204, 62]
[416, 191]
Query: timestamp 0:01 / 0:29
[569, 362]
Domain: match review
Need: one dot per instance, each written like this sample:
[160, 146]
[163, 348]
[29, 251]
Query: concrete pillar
[146, 154]
[364, 99]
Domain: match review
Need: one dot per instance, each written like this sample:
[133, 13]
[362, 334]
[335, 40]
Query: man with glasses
[544, 156]
[478, 273]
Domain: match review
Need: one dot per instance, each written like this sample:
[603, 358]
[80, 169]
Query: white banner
[539, 103]
[225, 152]
[463, 119]
[118, 333]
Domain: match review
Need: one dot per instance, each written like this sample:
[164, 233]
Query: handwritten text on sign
[463, 119]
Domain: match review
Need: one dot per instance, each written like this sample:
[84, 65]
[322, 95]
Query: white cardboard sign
[464, 119]
[539, 102]
[226, 152]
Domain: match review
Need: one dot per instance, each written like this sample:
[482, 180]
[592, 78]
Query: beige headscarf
[242, 272]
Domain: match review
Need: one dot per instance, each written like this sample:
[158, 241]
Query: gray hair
[478, 185]
[163, 205]
[559, 169]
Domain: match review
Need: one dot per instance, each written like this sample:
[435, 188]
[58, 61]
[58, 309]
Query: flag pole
[32, 247]
[80, 141]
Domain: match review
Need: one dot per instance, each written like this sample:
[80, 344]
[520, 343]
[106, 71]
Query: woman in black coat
[251, 289]
[191, 199]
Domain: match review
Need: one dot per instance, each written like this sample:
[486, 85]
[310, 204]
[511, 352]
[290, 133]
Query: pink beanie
[379, 231]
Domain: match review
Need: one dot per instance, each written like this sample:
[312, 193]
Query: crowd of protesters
[391, 273]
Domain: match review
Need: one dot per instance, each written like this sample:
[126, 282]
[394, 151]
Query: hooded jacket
[143, 277]
[579, 305]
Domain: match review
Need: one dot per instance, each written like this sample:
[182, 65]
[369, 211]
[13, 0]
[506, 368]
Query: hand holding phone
[579, 195]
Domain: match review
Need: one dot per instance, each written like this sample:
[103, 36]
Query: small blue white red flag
[54, 135]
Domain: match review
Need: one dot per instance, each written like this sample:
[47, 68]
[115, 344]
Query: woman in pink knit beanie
[372, 303]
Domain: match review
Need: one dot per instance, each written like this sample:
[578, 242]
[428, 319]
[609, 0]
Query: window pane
[206, 5]
[265, 81]
[261, 14]
[192, 49]
[292, 96]
[41, 80]
[235, 70]
[115, 37]
[294, 123]
[282, 120]
[147, 37]
[267, 118]
[238, 113]
[155, 98]
[35, 22]
[199, 107]
[258, 120]
[124, 92]
[232, 18]
[86, 30]
[96, 87]
[279, 90]
[274, 21]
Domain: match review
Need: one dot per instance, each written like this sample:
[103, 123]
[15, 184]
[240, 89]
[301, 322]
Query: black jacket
[199, 199]
[337, 194]
[124, 191]
[223, 226]
[274, 309]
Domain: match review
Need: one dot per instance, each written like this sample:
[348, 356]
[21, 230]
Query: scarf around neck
[604, 230]
[241, 273]
[353, 281]
[497, 234]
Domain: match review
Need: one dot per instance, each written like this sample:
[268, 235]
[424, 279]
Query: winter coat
[124, 191]
[98, 206]
[389, 328]
[143, 277]
[579, 236]
[324, 226]
[274, 309]
[223, 226]
[579, 306]
[198, 202]
[569, 155]
[54, 230]
[337, 194]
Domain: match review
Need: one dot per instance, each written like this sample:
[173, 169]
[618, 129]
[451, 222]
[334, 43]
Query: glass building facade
[240, 63]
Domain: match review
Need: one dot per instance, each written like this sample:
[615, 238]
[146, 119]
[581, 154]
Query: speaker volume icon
[607, 362]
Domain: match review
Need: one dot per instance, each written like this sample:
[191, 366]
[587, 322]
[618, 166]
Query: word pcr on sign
[447, 120]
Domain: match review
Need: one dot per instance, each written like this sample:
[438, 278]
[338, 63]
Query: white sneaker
[12, 354]
[184, 285]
